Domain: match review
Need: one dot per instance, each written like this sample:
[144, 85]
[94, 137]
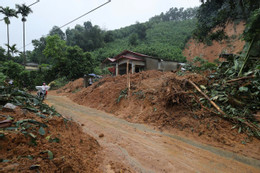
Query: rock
[101, 135]
[11, 167]
[33, 167]
[9, 107]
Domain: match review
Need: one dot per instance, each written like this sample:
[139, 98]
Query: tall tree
[56, 30]
[8, 12]
[13, 49]
[24, 11]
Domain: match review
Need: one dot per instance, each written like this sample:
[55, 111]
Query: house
[32, 66]
[138, 62]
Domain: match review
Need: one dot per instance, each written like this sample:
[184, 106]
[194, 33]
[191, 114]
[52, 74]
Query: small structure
[32, 66]
[138, 62]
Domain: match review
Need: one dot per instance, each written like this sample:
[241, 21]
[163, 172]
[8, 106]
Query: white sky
[114, 15]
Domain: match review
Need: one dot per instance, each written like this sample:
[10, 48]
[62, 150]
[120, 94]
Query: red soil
[165, 101]
[75, 152]
[232, 45]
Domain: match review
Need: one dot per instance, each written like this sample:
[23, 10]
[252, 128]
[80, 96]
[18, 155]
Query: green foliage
[133, 39]
[78, 64]
[58, 83]
[11, 69]
[2, 78]
[175, 14]
[55, 47]
[2, 54]
[87, 37]
[216, 13]
[239, 99]
[164, 40]
[199, 64]
[57, 31]
[123, 94]
[37, 55]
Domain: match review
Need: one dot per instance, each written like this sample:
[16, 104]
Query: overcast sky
[114, 15]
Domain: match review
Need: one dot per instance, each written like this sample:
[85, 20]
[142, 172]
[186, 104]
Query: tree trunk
[8, 51]
[24, 56]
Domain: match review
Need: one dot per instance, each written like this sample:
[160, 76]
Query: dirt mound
[72, 87]
[166, 101]
[233, 44]
[62, 147]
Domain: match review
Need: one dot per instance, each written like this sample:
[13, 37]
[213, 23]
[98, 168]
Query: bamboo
[247, 56]
[213, 103]
[242, 78]
[220, 111]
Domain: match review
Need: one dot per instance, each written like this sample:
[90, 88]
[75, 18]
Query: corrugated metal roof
[129, 57]
[109, 60]
[128, 51]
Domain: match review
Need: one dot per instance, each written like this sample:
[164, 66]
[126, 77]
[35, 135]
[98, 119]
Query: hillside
[233, 44]
[164, 39]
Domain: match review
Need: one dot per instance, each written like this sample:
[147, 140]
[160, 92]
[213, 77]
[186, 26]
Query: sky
[114, 15]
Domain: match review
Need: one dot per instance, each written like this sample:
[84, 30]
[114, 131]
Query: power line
[78, 18]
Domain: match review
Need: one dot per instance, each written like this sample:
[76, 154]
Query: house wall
[151, 64]
[168, 66]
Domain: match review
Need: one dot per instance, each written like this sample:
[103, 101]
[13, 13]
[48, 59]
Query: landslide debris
[167, 101]
[40, 139]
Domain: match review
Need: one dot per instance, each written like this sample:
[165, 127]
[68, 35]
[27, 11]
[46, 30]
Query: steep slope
[233, 44]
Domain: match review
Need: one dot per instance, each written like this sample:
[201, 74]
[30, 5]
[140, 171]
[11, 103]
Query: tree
[37, 54]
[79, 63]
[8, 12]
[140, 29]
[24, 11]
[109, 37]
[56, 50]
[2, 54]
[133, 39]
[13, 49]
[56, 30]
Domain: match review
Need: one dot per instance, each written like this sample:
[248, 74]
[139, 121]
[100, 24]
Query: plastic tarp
[42, 88]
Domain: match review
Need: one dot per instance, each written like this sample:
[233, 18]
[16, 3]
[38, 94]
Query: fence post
[85, 81]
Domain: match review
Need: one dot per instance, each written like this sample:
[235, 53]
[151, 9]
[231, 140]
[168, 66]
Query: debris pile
[168, 102]
[33, 136]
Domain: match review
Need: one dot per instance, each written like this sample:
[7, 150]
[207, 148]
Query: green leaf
[50, 155]
[32, 135]
[243, 89]
[48, 137]
[41, 115]
[41, 131]
[203, 87]
[239, 130]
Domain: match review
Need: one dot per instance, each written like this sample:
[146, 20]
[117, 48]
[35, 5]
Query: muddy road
[130, 147]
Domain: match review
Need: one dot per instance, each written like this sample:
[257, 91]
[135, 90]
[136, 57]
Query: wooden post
[128, 77]
[117, 69]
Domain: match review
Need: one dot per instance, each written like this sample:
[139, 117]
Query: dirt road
[140, 148]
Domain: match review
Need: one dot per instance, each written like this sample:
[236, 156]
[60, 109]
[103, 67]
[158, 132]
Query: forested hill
[162, 36]
[165, 39]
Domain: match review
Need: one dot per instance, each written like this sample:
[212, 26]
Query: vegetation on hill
[81, 49]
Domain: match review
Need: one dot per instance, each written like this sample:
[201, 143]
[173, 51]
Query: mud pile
[164, 100]
[72, 87]
[61, 146]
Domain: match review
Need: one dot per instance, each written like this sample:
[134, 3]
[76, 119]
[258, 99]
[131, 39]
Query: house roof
[129, 57]
[109, 60]
[128, 51]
